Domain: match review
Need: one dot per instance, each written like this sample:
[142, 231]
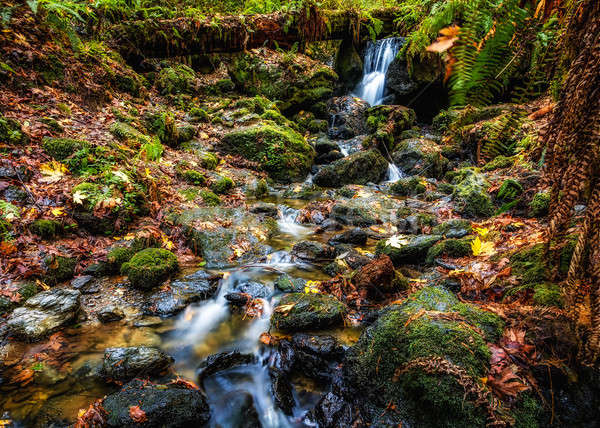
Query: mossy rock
[59, 269]
[208, 160]
[414, 252]
[358, 168]
[385, 124]
[397, 338]
[11, 131]
[529, 265]
[281, 151]
[261, 189]
[128, 134]
[193, 177]
[25, 290]
[409, 186]
[540, 204]
[455, 228]
[150, 267]
[348, 64]
[499, 162]
[420, 156]
[197, 114]
[46, 229]
[222, 185]
[178, 79]
[62, 148]
[548, 294]
[471, 195]
[308, 312]
[452, 248]
[210, 199]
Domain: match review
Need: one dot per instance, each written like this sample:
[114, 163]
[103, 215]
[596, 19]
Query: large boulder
[313, 251]
[412, 252]
[385, 123]
[358, 168]
[223, 236]
[417, 357]
[150, 267]
[420, 156]
[281, 151]
[45, 313]
[471, 196]
[299, 311]
[348, 117]
[171, 405]
[123, 364]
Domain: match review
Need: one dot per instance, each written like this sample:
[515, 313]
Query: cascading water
[378, 57]
[394, 174]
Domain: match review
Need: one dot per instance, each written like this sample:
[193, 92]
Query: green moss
[452, 248]
[62, 148]
[119, 255]
[11, 132]
[262, 189]
[150, 267]
[194, 177]
[199, 115]
[409, 186]
[25, 290]
[52, 124]
[358, 168]
[59, 269]
[499, 162]
[128, 134]
[450, 225]
[510, 190]
[208, 160]
[47, 229]
[281, 151]
[258, 105]
[189, 194]
[153, 151]
[566, 253]
[529, 265]
[210, 198]
[178, 79]
[540, 204]
[548, 294]
[222, 185]
[308, 312]
[471, 194]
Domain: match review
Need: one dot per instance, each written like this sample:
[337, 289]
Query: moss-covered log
[186, 36]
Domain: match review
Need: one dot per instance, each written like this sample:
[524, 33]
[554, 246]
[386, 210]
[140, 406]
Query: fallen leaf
[137, 414]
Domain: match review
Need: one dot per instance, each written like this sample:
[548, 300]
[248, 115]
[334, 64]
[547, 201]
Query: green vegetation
[150, 267]
[62, 148]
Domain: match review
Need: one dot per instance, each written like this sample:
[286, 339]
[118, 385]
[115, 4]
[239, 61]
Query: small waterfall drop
[378, 57]
[394, 174]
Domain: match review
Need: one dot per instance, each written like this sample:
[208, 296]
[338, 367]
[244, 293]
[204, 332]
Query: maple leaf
[311, 287]
[52, 171]
[57, 212]
[480, 248]
[79, 197]
[137, 414]
[506, 383]
[396, 241]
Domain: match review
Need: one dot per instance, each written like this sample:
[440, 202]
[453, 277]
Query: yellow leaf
[482, 248]
[53, 171]
[285, 309]
[148, 173]
[129, 237]
[57, 212]
[481, 231]
[311, 287]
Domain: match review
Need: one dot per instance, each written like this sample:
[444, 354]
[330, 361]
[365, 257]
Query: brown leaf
[137, 414]
[505, 383]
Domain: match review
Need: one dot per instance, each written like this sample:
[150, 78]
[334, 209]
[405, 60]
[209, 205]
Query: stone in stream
[419, 156]
[414, 252]
[353, 213]
[471, 197]
[123, 364]
[377, 276]
[358, 168]
[348, 117]
[287, 284]
[192, 288]
[355, 236]
[329, 157]
[45, 313]
[265, 208]
[172, 405]
[148, 268]
[222, 361]
[238, 411]
[313, 251]
[299, 311]
[110, 313]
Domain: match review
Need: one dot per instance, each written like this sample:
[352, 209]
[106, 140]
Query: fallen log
[219, 34]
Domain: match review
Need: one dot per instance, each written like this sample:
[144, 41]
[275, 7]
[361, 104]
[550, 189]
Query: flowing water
[394, 174]
[378, 57]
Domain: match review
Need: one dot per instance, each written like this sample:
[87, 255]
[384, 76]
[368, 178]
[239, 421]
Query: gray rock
[123, 364]
[362, 167]
[265, 208]
[354, 236]
[110, 313]
[45, 313]
[353, 214]
[81, 281]
[414, 252]
[308, 312]
[172, 406]
[313, 251]
[348, 117]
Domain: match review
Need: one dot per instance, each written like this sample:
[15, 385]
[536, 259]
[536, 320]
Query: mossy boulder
[420, 156]
[150, 267]
[62, 148]
[499, 162]
[413, 252]
[193, 177]
[128, 134]
[455, 228]
[222, 185]
[452, 248]
[300, 312]
[210, 199]
[358, 168]
[46, 229]
[529, 265]
[169, 132]
[281, 151]
[59, 268]
[540, 204]
[208, 160]
[409, 186]
[421, 397]
[548, 294]
[178, 79]
[385, 123]
[11, 131]
[471, 195]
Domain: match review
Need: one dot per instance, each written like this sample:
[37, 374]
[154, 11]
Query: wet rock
[222, 361]
[471, 195]
[15, 194]
[192, 288]
[237, 299]
[287, 284]
[110, 313]
[348, 117]
[148, 268]
[353, 213]
[299, 311]
[423, 397]
[45, 313]
[414, 252]
[358, 168]
[228, 225]
[123, 364]
[355, 236]
[329, 157]
[59, 268]
[238, 411]
[397, 78]
[313, 251]
[265, 208]
[282, 390]
[348, 64]
[455, 228]
[323, 346]
[252, 288]
[386, 122]
[420, 156]
[81, 281]
[377, 275]
[164, 405]
[325, 145]
[329, 225]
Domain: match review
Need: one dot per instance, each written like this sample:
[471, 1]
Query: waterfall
[394, 174]
[378, 57]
